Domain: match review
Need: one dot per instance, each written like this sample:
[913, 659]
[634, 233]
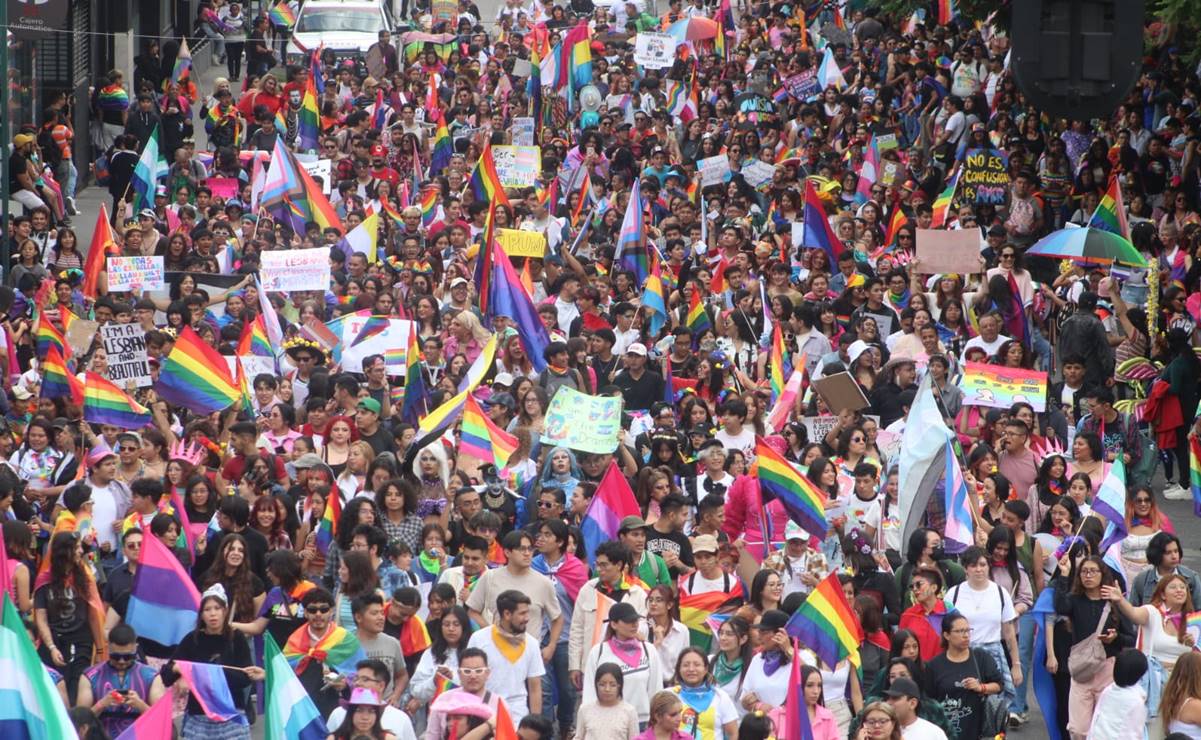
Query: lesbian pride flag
[613, 501]
[164, 601]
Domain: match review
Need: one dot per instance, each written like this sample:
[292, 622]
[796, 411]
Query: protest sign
[522, 68]
[886, 142]
[444, 10]
[804, 85]
[128, 273]
[941, 251]
[223, 187]
[125, 347]
[819, 426]
[985, 177]
[523, 130]
[321, 170]
[583, 422]
[798, 233]
[890, 171]
[757, 172]
[654, 50]
[81, 333]
[518, 243]
[517, 166]
[883, 321]
[714, 170]
[295, 269]
[390, 343]
[840, 392]
[1000, 387]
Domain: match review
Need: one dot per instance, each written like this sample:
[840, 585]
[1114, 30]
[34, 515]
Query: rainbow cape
[697, 609]
[826, 625]
[105, 403]
[196, 377]
[414, 637]
[338, 651]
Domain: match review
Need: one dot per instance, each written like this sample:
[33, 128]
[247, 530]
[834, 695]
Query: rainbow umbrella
[1088, 245]
[693, 29]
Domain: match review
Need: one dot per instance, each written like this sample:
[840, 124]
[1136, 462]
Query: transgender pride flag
[613, 501]
[960, 531]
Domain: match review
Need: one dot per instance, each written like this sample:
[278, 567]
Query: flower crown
[859, 542]
[191, 454]
[298, 342]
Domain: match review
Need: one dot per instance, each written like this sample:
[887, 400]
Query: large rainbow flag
[105, 403]
[57, 379]
[485, 182]
[480, 437]
[697, 610]
[826, 625]
[778, 479]
[196, 377]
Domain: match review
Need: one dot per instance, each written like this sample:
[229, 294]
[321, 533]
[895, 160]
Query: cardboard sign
[518, 166]
[985, 177]
[1000, 387]
[295, 269]
[583, 422]
[522, 68]
[757, 172]
[940, 251]
[518, 243]
[654, 50]
[128, 273]
[523, 131]
[223, 187]
[883, 322]
[714, 170]
[840, 392]
[321, 170]
[125, 347]
[803, 85]
[81, 334]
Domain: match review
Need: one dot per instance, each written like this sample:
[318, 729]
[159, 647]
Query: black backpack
[51, 153]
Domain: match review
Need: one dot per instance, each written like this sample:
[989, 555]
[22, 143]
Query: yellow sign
[517, 243]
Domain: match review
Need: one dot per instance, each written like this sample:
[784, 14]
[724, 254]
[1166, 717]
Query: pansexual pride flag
[105, 403]
[481, 438]
[826, 625]
[196, 377]
[613, 501]
[164, 601]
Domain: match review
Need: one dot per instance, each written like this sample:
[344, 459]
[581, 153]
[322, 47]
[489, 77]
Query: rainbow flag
[164, 601]
[1111, 211]
[776, 360]
[183, 63]
[327, 528]
[281, 122]
[254, 339]
[894, 225]
[281, 15]
[338, 651]
[196, 377]
[57, 379]
[482, 439]
[243, 384]
[698, 318]
[817, 232]
[484, 182]
[697, 609]
[429, 205]
[947, 12]
[1194, 470]
[105, 403]
[318, 208]
[825, 624]
[414, 637]
[942, 204]
[614, 500]
[778, 479]
[415, 400]
[1193, 619]
[290, 712]
[631, 251]
[308, 118]
[442, 684]
[442, 150]
[49, 336]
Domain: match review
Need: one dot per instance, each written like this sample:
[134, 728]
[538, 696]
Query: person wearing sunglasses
[121, 688]
[315, 641]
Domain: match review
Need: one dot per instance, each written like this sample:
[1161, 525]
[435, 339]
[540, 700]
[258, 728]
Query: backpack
[52, 155]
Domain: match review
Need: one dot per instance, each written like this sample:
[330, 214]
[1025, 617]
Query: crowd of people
[419, 589]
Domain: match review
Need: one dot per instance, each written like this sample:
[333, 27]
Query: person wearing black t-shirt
[666, 538]
[961, 679]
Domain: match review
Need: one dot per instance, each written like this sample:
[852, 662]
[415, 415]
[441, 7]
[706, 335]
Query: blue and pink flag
[154, 724]
[613, 502]
[960, 527]
[211, 689]
[631, 251]
[164, 601]
[818, 234]
[1110, 502]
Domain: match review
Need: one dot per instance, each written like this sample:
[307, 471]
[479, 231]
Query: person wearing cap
[612, 566]
[22, 175]
[213, 642]
[905, 696]
[112, 500]
[624, 645]
[640, 386]
[648, 566]
[371, 431]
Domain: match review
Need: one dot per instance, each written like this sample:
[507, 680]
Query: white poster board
[128, 273]
[523, 131]
[714, 170]
[321, 170]
[125, 347]
[517, 166]
[391, 343]
[654, 50]
[295, 269]
[757, 172]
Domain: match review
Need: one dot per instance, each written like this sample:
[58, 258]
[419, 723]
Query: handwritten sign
[518, 243]
[127, 273]
[295, 269]
[583, 422]
[517, 166]
[941, 252]
[125, 347]
[985, 177]
[223, 187]
[757, 172]
[1000, 387]
[714, 170]
[654, 50]
[321, 170]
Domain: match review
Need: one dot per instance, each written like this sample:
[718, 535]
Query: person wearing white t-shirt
[990, 612]
[904, 696]
[734, 435]
[515, 667]
[990, 338]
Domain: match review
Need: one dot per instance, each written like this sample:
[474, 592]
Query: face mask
[939, 553]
